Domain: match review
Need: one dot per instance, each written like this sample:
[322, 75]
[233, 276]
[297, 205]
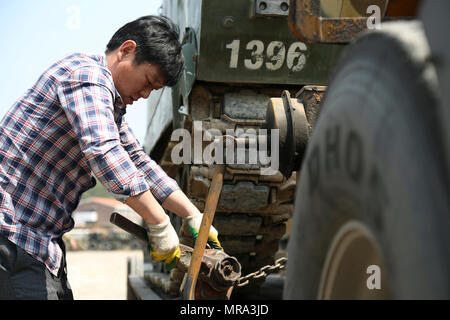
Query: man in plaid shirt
[68, 128]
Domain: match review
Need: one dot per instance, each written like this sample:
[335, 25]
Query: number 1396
[275, 54]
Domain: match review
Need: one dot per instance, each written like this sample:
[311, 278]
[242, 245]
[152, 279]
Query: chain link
[262, 273]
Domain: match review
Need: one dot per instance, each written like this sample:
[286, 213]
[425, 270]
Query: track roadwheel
[372, 207]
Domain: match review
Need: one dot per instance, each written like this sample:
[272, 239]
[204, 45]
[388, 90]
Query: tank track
[253, 209]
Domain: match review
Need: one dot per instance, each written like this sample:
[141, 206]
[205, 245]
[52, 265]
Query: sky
[34, 34]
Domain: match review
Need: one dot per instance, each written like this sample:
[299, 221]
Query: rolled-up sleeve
[161, 185]
[88, 104]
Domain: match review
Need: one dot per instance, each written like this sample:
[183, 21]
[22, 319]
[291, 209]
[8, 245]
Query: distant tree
[98, 191]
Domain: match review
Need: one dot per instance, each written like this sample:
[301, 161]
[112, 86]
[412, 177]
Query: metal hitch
[218, 272]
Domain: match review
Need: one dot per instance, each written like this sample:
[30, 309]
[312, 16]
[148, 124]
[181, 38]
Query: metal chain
[262, 273]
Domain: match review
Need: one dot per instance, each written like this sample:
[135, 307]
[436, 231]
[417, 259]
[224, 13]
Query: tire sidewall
[372, 159]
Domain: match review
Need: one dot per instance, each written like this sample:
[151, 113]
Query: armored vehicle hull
[238, 55]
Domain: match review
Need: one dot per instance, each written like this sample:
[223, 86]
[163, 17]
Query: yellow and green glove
[194, 223]
[164, 244]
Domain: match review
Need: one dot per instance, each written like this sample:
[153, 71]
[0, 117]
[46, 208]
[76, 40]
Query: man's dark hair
[157, 42]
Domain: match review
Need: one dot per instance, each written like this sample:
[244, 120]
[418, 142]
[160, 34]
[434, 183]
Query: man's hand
[194, 223]
[164, 243]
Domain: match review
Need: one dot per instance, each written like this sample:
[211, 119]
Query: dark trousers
[25, 278]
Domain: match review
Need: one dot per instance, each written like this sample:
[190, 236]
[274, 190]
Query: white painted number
[234, 46]
[274, 57]
[296, 57]
[256, 60]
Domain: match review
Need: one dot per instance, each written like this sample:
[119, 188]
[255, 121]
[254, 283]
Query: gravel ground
[99, 275]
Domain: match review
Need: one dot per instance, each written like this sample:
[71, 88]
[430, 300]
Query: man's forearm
[178, 203]
[147, 207]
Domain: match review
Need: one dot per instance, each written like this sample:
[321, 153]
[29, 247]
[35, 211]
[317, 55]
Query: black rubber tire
[375, 157]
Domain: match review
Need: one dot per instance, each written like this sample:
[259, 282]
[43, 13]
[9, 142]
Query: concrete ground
[99, 275]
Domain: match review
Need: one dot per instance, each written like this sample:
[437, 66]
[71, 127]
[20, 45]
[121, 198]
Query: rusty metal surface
[311, 97]
[307, 23]
[217, 268]
[262, 273]
[402, 8]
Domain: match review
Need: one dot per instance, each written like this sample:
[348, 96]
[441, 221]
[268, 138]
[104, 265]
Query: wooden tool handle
[200, 243]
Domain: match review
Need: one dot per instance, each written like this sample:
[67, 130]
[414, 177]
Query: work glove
[194, 223]
[164, 243]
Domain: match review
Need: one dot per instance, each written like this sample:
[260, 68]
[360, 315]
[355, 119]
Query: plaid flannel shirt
[64, 130]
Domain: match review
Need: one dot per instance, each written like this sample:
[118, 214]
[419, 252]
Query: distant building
[95, 212]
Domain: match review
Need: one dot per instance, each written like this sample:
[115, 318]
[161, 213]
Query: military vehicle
[238, 54]
[372, 208]
[372, 205]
